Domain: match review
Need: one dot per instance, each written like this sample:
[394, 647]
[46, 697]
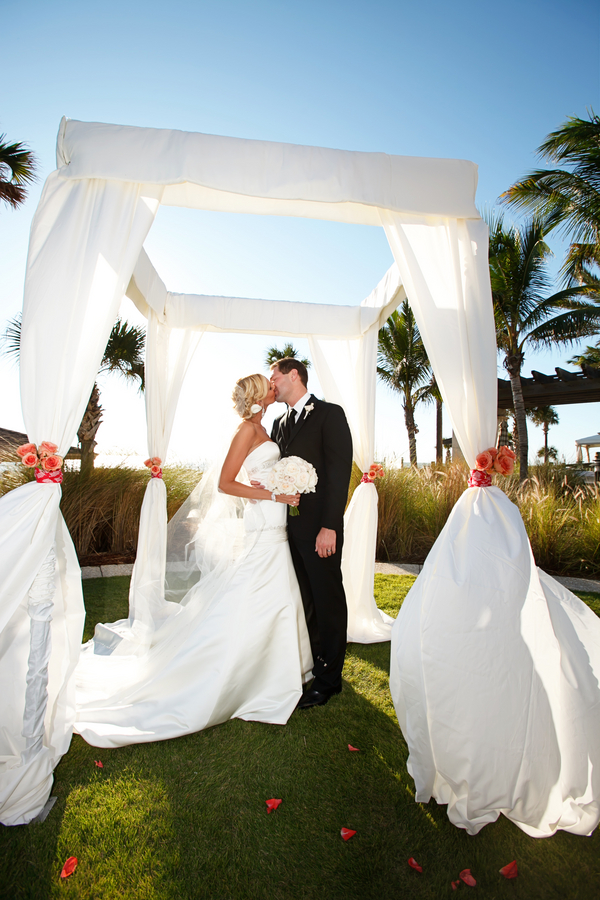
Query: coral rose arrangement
[155, 466]
[489, 461]
[44, 459]
[375, 471]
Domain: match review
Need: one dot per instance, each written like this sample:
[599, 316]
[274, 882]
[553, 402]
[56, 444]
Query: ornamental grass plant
[102, 509]
[561, 516]
[414, 505]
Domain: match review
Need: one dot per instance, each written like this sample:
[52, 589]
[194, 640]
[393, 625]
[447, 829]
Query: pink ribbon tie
[477, 478]
[54, 477]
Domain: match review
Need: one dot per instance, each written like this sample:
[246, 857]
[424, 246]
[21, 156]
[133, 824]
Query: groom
[317, 432]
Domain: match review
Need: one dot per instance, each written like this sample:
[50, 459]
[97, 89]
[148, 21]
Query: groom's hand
[325, 545]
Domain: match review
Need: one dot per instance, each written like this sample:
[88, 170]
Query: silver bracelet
[273, 496]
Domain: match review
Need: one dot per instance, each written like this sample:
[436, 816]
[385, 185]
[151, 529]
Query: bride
[235, 643]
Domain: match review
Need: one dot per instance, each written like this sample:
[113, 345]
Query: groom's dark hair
[286, 365]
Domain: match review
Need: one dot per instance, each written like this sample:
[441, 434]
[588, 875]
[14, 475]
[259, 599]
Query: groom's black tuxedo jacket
[321, 436]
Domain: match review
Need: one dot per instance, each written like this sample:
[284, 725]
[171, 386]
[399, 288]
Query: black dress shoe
[313, 697]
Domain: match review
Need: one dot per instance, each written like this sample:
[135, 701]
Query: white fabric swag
[474, 614]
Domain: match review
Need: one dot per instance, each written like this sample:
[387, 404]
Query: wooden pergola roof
[553, 390]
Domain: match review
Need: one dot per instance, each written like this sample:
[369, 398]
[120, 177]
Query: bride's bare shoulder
[244, 433]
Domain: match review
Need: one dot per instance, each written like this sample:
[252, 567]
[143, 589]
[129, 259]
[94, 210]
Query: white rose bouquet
[292, 475]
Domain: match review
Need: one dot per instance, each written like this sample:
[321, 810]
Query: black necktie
[289, 425]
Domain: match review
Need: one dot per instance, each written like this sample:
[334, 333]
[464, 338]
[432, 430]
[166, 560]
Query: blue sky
[480, 81]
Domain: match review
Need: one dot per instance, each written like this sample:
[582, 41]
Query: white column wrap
[85, 239]
[494, 666]
[168, 354]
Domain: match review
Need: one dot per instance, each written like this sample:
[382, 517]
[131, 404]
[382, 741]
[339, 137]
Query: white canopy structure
[86, 252]
[592, 441]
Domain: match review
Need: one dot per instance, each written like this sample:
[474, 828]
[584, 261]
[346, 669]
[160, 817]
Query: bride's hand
[290, 499]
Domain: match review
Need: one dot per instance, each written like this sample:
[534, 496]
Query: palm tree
[571, 194]
[544, 416]
[435, 395]
[431, 394]
[403, 365]
[525, 312]
[20, 162]
[288, 351]
[124, 354]
[548, 453]
[589, 359]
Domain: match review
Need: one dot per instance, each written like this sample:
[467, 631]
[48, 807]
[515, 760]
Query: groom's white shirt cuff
[299, 406]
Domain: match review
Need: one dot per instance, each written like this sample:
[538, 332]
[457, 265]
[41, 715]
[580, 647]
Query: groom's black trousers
[324, 600]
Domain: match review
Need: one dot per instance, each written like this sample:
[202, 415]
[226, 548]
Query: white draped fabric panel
[494, 667]
[347, 371]
[209, 171]
[85, 239]
[444, 269]
[169, 352]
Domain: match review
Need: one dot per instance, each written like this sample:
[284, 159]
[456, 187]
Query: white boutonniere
[308, 408]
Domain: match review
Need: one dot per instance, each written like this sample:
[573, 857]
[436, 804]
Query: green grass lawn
[187, 818]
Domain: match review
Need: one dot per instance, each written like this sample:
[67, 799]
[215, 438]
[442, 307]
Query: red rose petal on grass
[455, 885]
[353, 749]
[467, 877]
[347, 833]
[510, 871]
[99, 764]
[414, 864]
[69, 867]
[272, 804]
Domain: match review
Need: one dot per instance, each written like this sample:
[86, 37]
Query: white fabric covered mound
[495, 676]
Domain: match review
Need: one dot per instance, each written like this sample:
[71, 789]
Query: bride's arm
[237, 453]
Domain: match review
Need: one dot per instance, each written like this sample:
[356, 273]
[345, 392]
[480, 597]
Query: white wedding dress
[242, 652]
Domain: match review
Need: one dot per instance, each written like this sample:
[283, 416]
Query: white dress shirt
[300, 404]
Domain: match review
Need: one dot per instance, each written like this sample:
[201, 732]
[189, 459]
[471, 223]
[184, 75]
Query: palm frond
[589, 357]
[542, 415]
[575, 139]
[524, 309]
[11, 339]
[402, 361]
[288, 351]
[12, 194]
[579, 266]
[124, 352]
[18, 168]
[572, 194]
[566, 328]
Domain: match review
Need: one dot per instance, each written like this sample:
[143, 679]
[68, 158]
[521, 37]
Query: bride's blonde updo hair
[248, 391]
